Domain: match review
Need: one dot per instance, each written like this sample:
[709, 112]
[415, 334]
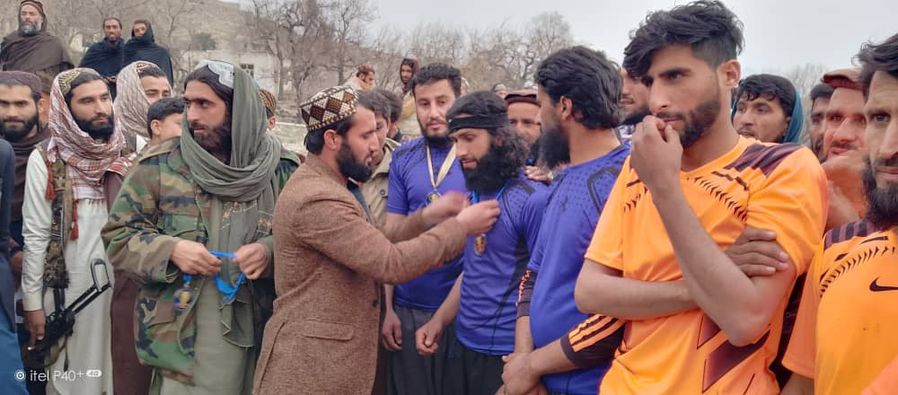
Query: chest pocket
[179, 215]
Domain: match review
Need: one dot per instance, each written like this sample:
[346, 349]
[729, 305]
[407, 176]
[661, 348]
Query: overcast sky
[779, 34]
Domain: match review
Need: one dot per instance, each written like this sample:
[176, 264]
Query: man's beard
[28, 29]
[350, 167]
[216, 141]
[882, 201]
[436, 141]
[14, 134]
[554, 146]
[492, 171]
[636, 117]
[698, 120]
[98, 132]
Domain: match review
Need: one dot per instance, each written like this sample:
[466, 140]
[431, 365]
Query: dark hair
[364, 69]
[878, 57]
[394, 102]
[161, 109]
[375, 102]
[144, 22]
[207, 76]
[112, 18]
[588, 79]
[314, 140]
[436, 72]
[508, 147]
[769, 87]
[81, 79]
[150, 71]
[821, 91]
[712, 30]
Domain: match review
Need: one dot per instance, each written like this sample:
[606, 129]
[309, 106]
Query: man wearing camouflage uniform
[192, 223]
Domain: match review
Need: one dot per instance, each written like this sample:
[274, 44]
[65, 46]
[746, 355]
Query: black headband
[478, 122]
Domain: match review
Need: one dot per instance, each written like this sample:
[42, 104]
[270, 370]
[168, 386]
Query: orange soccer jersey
[767, 186]
[846, 333]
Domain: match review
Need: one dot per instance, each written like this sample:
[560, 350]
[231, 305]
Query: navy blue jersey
[408, 191]
[486, 316]
[575, 203]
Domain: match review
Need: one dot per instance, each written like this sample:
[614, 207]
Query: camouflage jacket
[157, 206]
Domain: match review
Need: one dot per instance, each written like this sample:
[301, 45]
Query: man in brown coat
[329, 257]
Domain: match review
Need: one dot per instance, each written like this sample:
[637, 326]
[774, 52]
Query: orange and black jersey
[844, 335]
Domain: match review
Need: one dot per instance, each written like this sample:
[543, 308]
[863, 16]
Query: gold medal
[183, 297]
[433, 196]
[480, 245]
[444, 170]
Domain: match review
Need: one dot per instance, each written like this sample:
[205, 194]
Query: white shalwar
[85, 364]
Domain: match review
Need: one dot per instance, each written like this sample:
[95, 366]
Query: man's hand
[657, 154]
[35, 321]
[15, 263]
[538, 174]
[193, 258]
[757, 253]
[427, 338]
[445, 207]
[479, 218]
[391, 333]
[518, 376]
[252, 259]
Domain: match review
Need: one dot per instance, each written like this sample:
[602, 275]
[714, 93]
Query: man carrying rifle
[64, 211]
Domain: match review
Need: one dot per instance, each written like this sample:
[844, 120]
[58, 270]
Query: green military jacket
[157, 206]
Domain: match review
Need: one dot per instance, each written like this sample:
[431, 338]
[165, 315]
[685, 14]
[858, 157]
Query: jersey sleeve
[802, 349]
[793, 203]
[397, 198]
[606, 247]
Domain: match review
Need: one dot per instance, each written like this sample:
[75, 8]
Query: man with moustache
[376, 188]
[322, 338]
[422, 170]
[844, 340]
[31, 48]
[408, 121]
[819, 96]
[696, 322]
[634, 102]
[845, 147]
[768, 109]
[523, 115]
[579, 91]
[64, 211]
[482, 302]
[106, 56]
[192, 226]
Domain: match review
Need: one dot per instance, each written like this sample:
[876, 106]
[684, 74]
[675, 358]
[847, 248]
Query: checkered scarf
[86, 159]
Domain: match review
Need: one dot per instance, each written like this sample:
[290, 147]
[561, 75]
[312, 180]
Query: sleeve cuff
[33, 301]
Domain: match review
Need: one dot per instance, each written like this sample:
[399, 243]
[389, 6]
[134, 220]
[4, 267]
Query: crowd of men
[650, 227]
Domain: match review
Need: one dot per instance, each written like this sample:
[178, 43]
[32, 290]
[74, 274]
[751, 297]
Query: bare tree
[348, 20]
[435, 42]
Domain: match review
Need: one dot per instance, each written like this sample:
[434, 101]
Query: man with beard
[482, 302]
[375, 189]
[845, 147]
[408, 121]
[106, 56]
[634, 101]
[696, 322]
[768, 109]
[578, 89]
[64, 211]
[20, 100]
[844, 336]
[31, 48]
[192, 225]
[142, 46]
[421, 171]
[322, 338]
[820, 95]
[140, 84]
[523, 115]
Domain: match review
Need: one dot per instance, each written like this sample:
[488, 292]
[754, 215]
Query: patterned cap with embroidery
[66, 78]
[269, 100]
[328, 107]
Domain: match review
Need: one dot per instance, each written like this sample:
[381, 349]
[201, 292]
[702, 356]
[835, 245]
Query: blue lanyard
[475, 196]
[228, 291]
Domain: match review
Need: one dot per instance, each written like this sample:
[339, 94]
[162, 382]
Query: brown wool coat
[329, 260]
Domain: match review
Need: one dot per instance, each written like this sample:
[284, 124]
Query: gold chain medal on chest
[443, 172]
[480, 240]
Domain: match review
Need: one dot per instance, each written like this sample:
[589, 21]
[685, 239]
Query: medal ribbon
[444, 168]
